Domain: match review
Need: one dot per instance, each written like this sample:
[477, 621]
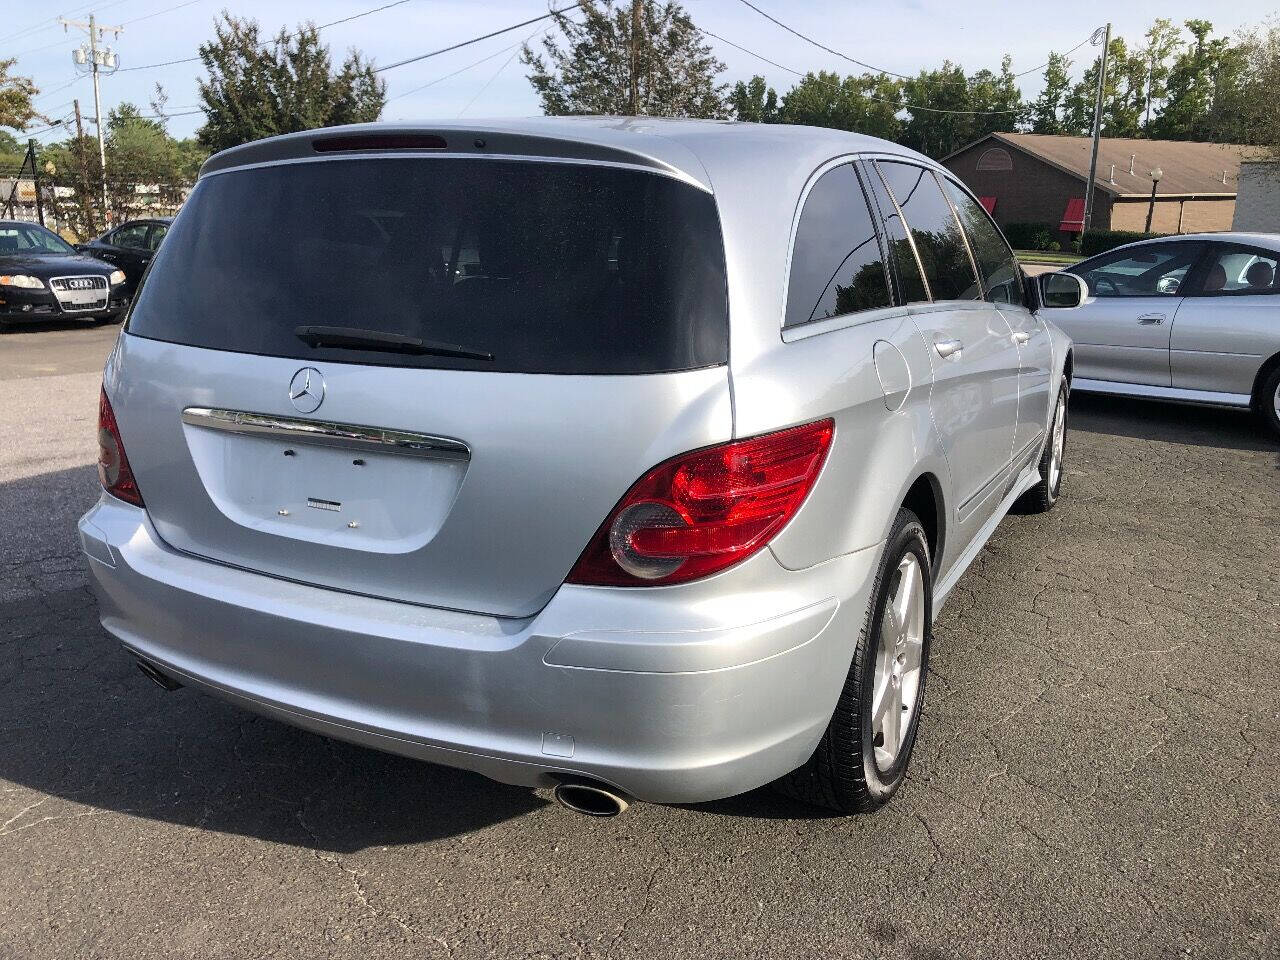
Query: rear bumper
[671, 694]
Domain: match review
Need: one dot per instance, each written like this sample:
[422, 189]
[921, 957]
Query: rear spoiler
[399, 139]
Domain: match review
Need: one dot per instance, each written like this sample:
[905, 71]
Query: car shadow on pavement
[1169, 422]
[46, 326]
[79, 722]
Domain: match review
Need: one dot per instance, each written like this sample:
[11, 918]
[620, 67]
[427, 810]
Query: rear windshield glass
[547, 267]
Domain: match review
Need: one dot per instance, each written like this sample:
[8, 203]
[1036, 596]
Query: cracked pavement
[1096, 775]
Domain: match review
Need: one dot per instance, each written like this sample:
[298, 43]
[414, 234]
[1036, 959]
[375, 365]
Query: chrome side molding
[324, 433]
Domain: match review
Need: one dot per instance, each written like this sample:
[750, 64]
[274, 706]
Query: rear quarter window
[836, 263]
[550, 267]
[938, 238]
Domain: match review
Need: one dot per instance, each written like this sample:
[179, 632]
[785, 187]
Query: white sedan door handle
[1021, 336]
[1151, 319]
[947, 348]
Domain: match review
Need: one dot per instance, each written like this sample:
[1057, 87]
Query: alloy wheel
[898, 663]
[1058, 440]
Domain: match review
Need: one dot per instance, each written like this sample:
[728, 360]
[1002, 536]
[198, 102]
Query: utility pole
[97, 59]
[637, 27]
[1097, 129]
[35, 179]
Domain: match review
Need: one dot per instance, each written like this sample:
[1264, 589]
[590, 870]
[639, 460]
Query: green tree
[864, 104]
[1248, 96]
[947, 109]
[1189, 88]
[996, 100]
[1163, 41]
[1123, 95]
[754, 101]
[258, 89]
[1045, 112]
[17, 94]
[148, 172]
[644, 58]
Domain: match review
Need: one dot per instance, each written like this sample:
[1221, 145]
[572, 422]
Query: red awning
[1073, 219]
[989, 203]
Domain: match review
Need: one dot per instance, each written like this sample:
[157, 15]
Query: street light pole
[96, 58]
[1097, 129]
[1156, 174]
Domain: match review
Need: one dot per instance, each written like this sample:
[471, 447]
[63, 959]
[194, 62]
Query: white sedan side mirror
[1063, 291]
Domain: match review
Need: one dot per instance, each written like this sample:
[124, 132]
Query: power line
[385, 6]
[58, 43]
[288, 36]
[488, 83]
[469, 66]
[148, 16]
[450, 76]
[467, 43]
[892, 103]
[35, 28]
[868, 66]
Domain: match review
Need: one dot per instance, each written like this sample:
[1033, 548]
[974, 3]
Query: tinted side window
[911, 286]
[1153, 270]
[156, 235]
[1001, 276]
[934, 227]
[1241, 271]
[836, 263]
[133, 235]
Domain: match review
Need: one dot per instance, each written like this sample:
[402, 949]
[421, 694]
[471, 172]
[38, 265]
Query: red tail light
[113, 466]
[701, 512]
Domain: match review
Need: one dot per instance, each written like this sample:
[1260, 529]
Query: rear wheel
[1044, 494]
[1269, 401]
[862, 758]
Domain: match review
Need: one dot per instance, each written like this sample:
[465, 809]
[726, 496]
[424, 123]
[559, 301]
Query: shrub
[1029, 236]
[1054, 246]
[1100, 241]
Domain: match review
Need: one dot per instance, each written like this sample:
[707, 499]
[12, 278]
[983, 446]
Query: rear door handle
[1151, 319]
[1021, 337]
[947, 348]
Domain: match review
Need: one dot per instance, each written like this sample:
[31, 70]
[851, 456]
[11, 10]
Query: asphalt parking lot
[1097, 774]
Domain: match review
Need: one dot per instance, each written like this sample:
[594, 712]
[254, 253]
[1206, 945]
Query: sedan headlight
[117, 276]
[21, 280]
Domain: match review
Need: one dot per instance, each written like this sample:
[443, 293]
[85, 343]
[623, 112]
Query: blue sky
[899, 37]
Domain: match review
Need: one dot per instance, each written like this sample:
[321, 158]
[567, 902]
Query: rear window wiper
[359, 338]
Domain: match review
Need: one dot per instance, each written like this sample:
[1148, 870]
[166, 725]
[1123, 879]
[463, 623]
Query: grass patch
[1048, 256]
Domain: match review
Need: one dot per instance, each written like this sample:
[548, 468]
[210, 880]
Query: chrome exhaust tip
[590, 799]
[155, 676]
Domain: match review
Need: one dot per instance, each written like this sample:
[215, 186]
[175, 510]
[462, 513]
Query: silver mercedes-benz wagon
[628, 457]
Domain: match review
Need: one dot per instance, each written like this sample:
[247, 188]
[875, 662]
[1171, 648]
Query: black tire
[1042, 497]
[1268, 401]
[843, 773]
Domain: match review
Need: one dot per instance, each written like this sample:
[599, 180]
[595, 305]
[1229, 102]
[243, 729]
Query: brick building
[1258, 208]
[1037, 178]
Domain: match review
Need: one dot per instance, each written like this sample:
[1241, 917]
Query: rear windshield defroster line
[545, 267]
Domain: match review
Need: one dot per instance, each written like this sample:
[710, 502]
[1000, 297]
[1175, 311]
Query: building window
[995, 158]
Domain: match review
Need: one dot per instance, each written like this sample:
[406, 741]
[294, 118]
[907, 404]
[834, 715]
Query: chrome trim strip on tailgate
[324, 433]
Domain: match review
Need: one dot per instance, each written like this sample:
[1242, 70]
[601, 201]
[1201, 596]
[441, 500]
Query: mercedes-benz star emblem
[306, 390]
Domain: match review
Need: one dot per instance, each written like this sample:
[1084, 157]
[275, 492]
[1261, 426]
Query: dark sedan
[130, 247]
[42, 277]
